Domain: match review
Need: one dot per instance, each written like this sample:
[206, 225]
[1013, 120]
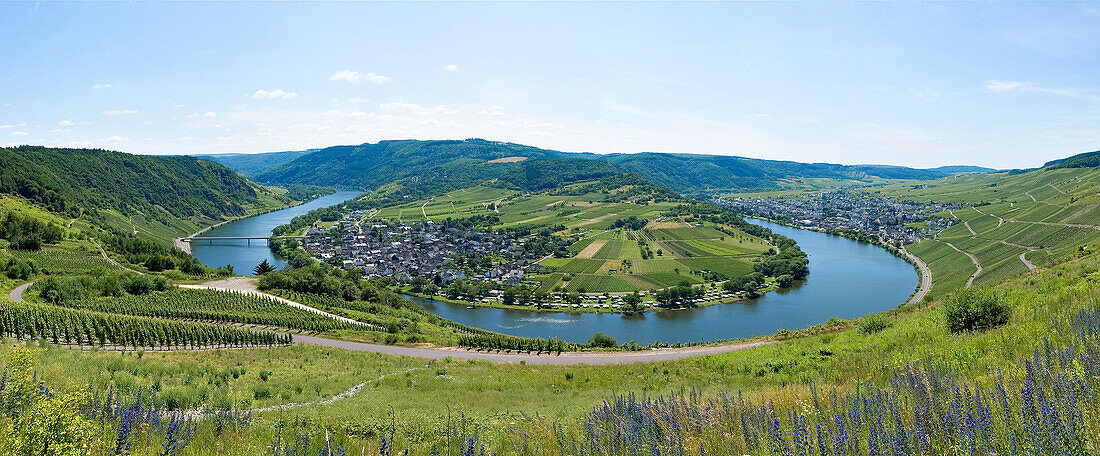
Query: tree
[784, 280]
[601, 340]
[632, 303]
[263, 268]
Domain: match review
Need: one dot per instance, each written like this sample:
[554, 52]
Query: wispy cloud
[101, 86]
[120, 112]
[207, 114]
[1075, 92]
[19, 133]
[451, 67]
[273, 94]
[356, 77]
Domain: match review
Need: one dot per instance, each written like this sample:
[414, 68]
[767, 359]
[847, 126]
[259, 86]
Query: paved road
[571, 358]
[17, 294]
[925, 278]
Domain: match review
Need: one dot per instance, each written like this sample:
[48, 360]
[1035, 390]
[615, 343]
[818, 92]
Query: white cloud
[356, 77]
[66, 123]
[5, 127]
[1004, 86]
[208, 114]
[413, 108]
[451, 67]
[357, 100]
[177, 106]
[273, 95]
[119, 112]
[19, 133]
[101, 86]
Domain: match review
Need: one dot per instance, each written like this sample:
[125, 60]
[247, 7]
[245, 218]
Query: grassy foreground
[517, 409]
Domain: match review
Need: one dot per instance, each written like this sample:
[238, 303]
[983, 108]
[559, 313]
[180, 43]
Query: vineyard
[503, 342]
[214, 305]
[89, 328]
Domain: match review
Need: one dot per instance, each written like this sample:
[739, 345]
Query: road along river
[847, 279]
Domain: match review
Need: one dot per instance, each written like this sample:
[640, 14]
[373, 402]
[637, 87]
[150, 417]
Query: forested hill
[76, 181]
[432, 164]
[453, 164]
[1085, 160]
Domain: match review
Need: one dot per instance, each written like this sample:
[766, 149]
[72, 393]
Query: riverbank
[594, 308]
[923, 287]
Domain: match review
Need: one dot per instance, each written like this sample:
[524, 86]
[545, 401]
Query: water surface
[245, 255]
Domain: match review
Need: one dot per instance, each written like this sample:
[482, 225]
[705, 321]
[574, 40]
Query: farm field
[604, 258]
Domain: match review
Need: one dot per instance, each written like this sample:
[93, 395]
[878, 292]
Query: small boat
[469, 307]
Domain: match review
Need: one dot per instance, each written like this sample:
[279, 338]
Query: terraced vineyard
[84, 327]
[1012, 223]
[214, 305]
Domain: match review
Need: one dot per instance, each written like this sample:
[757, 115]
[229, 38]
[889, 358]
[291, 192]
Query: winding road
[925, 277]
[974, 259]
[237, 284]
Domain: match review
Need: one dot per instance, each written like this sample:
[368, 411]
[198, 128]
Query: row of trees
[503, 342]
[153, 256]
[61, 289]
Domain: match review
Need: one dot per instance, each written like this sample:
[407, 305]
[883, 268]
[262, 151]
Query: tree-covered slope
[425, 164]
[454, 164]
[1085, 160]
[160, 197]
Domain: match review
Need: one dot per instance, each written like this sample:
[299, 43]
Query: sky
[1004, 85]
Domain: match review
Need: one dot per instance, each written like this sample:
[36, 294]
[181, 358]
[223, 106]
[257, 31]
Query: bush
[875, 323]
[972, 310]
[601, 340]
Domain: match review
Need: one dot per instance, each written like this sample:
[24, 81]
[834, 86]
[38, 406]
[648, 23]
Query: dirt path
[1000, 221]
[1032, 197]
[965, 223]
[1023, 257]
[974, 259]
[1056, 189]
[247, 285]
[925, 278]
[1070, 225]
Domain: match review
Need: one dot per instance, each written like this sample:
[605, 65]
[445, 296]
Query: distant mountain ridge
[455, 163]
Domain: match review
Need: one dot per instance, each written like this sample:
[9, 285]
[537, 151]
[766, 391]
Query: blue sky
[918, 84]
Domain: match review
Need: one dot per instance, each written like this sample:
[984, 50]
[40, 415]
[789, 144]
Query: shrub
[973, 310]
[601, 340]
[875, 323]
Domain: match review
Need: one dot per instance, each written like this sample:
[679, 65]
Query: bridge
[248, 238]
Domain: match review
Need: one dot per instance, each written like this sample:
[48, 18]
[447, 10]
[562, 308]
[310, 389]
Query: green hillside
[1011, 223]
[449, 165]
[156, 197]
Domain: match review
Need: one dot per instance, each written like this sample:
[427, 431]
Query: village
[436, 252]
[847, 210]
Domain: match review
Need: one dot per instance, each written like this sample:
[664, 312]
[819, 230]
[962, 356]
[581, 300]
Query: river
[245, 255]
[847, 279]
